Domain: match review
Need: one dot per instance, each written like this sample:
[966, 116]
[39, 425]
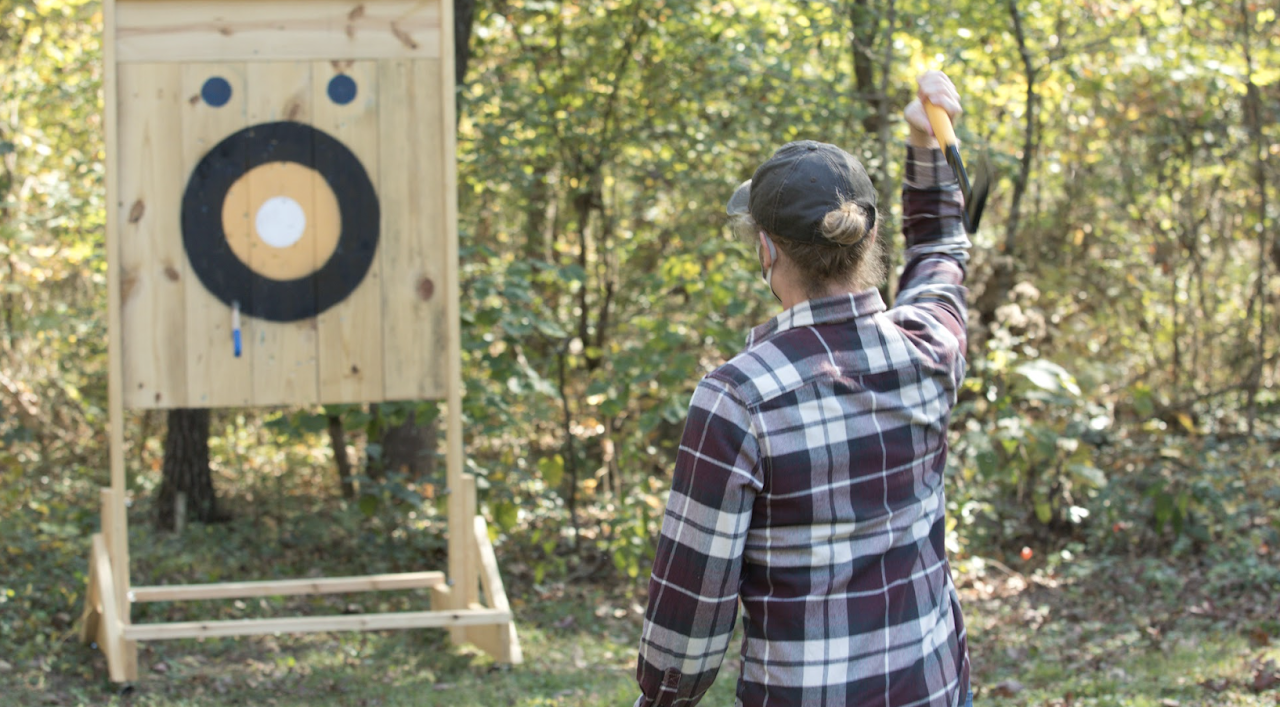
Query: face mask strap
[773, 260]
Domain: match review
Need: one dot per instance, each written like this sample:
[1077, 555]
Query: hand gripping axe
[975, 193]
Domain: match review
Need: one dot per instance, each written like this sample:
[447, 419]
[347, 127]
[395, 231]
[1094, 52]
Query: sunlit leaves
[52, 269]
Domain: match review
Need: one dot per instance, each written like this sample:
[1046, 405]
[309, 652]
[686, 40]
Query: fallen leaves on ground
[1265, 676]
[1007, 688]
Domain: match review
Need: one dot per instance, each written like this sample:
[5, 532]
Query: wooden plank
[487, 638]
[216, 377]
[262, 30]
[469, 581]
[284, 354]
[442, 600]
[490, 578]
[287, 587]
[462, 502]
[350, 332]
[316, 624]
[463, 580]
[91, 617]
[115, 353]
[110, 633]
[111, 514]
[451, 351]
[413, 249]
[500, 640]
[114, 519]
[117, 575]
[154, 264]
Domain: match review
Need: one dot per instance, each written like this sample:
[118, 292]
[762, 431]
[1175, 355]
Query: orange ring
[308, 189]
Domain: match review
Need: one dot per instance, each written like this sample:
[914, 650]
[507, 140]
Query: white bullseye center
[280, 222]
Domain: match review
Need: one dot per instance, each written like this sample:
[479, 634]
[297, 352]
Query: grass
[1104, 641]
[1033, 643]
[1103, 630]
[579, 650]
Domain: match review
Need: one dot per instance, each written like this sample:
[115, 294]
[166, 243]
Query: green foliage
[1027, 436]
[45, 525]
[285, 525]
[1122, 398]
[52, 270]
[596, 147]
[599, 144]
[1202, 498]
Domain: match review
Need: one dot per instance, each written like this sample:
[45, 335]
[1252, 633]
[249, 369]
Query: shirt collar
[814, 312]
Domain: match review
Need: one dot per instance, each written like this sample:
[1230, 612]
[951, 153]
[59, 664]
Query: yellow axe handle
[941, 123]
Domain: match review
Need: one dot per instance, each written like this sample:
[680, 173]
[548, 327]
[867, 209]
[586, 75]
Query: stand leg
[468, 586]
[463, 587]
[101, 618]
[498, 640]
[92, 616]
[116, 569]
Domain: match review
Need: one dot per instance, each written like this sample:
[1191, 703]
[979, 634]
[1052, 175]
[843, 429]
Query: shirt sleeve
[931, 303]
[693, 591]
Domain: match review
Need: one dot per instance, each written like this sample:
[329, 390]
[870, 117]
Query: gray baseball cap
[794, 190]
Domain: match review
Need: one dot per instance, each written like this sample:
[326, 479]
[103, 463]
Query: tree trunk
[464, 15]
[1253, 117]
[537, 240]
[865, 35]
[408, 448]
[864, 26]
[1030, 138]
[570, 455]
[187, 481]
[338, 438]
[1005, 265]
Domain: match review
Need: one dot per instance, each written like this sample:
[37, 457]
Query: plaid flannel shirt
[808, 485]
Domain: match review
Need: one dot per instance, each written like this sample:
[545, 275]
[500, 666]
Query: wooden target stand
[353, 71]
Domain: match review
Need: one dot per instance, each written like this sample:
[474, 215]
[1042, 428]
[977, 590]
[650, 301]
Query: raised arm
[693, 593]
[931, 293]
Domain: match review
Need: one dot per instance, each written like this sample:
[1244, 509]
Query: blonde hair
[851, 258]
[846, 226]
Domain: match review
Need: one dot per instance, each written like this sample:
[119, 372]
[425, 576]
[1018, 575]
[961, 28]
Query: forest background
[1114, 482]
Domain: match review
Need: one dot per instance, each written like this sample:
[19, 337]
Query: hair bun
[846, 225]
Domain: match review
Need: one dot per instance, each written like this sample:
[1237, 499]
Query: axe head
[974, 186]
[975, 199]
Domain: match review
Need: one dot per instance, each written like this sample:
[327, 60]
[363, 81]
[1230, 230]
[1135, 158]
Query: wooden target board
[282, 230]
[284, 165]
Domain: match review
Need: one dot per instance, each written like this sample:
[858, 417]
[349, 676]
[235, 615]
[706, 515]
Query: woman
[808, 483]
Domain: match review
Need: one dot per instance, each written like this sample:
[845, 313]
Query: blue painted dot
[216, 92]
[342, 89]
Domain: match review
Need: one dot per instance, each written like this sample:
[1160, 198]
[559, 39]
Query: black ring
[231, 279]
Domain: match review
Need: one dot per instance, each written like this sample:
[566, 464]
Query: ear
[768, 253]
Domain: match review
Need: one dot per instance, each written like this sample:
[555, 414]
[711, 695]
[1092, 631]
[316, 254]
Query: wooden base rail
[288, 587]
[316, 624]
[455, 605]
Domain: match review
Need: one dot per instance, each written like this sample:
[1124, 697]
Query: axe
[975, 193]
